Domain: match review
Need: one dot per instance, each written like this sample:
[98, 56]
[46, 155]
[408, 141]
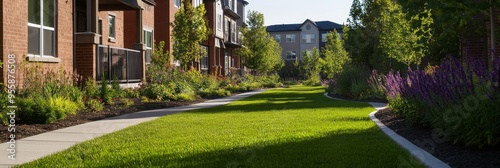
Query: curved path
[38, 146]
[417, 152]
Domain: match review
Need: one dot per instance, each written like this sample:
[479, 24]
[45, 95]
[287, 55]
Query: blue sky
[297, 11]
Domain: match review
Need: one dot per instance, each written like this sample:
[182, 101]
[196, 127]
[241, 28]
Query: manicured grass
[292, 127]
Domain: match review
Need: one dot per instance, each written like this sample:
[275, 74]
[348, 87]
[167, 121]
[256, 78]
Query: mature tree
[189, 30]
[398, 38]
[311, 65]
[335, 55]
[261, 52]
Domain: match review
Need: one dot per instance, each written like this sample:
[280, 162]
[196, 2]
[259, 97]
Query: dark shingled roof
[322, 26]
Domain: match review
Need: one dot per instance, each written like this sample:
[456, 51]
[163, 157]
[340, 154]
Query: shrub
[208, 93]
[186, 96]
[254, 86]
[459, 98]
[160, 91]
[91, 89]
[94, 105]
[106, 92]
[130, 93]
[40, 110]
[115, 87]
[351, 82]
[4, 102]
[126, 102]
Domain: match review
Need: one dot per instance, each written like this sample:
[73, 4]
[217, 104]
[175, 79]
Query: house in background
[294, 39]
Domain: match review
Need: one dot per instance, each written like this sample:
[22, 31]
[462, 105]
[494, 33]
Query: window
[226, 27]
[278, 38]
[219, 22]
[41, 31]
[230, 4]
[291, 55]
[204, 58]
[177, 3]
[290, 38]
[111, 26]
[323, 38]
[308, 38]
[197, 3]
[148, 41]
[233, 31]
[232, 63]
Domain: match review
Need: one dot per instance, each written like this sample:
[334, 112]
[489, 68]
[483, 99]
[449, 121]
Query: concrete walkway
[417, 152]
[38, 146]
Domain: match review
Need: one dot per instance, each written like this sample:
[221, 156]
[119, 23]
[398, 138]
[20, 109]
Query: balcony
[121, 63]
[232, 37]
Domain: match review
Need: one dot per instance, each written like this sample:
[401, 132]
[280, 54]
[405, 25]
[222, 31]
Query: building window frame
[324, 38]
[277, 37]
[42, 29]
[290, 38]
[177, 3]
[148, 42]
[308, 38]
[219, 22]
[111, 27]
[291, 55]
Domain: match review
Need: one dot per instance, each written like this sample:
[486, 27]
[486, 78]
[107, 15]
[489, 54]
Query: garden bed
[27, 130]
[455, 155]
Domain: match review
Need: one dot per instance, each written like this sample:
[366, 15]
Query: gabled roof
[322, 26]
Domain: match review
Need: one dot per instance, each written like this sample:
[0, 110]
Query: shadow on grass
[348, 148]
[283, 100]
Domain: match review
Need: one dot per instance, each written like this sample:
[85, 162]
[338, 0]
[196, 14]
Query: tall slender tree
[335, 55]
[261, 52]
[189, 31]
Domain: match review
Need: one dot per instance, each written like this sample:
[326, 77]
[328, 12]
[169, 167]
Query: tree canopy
[260, 52]
[189, 31]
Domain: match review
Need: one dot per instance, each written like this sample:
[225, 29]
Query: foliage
[160, 59]
[209, 93]
[335, 55]
[459, 98]
[351, 82]
[91, 89]
[94, 105]
[4, 102]
[399, 38]
[130, 93]
[261, 52]
[160, 91]
[311, 64]
[189, 30]
[42, 110]
[106, 92]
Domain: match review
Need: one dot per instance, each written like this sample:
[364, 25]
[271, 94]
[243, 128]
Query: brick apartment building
[111, 37]
[225, 17]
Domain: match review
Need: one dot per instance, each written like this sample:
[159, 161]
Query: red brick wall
[164, 12]
[15, 34]
[85, 60]
[119, 28]
[130, 28]
[1, 41]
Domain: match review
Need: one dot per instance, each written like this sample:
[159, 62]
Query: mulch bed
[27, 130]
[455, 155]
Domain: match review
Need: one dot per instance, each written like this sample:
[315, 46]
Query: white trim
[42, 28]
[414, 150]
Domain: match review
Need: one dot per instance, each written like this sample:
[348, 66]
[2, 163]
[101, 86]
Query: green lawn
[292, 127]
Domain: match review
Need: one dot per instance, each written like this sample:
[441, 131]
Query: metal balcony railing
[123, 64]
